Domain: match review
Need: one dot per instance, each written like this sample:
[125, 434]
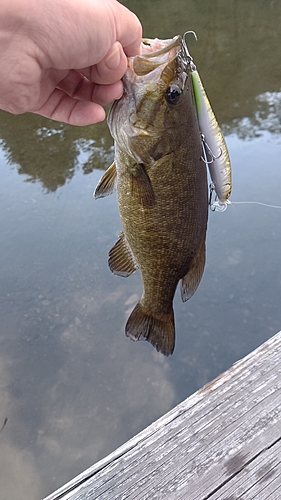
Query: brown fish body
[162, 191]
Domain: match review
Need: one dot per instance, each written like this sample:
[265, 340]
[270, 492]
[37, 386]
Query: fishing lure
[215, 153]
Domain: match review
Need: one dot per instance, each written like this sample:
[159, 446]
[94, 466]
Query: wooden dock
[221, 443]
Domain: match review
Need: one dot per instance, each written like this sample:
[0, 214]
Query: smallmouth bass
[162, 189]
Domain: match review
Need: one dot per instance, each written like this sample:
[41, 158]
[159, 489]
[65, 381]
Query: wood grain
[221, 443]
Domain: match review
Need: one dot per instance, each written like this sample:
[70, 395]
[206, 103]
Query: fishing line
[253, 203]
[217, 206]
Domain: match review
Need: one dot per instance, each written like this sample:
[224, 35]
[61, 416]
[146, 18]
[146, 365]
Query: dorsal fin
[191, 280]
[121, 259]
[107, 184]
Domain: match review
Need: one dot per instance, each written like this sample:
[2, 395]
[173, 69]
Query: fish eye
[173, 94]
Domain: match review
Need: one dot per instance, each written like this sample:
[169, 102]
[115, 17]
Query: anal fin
[191, 280]
[121, 260]
[107, 184]
[159, 331]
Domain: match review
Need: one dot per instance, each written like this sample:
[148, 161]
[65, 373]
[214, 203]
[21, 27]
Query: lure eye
[173, 94]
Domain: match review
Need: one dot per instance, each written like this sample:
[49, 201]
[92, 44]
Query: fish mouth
[155, 53]
[156, 47]
[139, 113]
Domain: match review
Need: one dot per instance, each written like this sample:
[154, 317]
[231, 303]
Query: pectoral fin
[107, 183]
[141, 186]
[121, 260]
[191, 280]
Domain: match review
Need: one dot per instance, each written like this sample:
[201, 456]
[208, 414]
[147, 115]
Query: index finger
[128, 31]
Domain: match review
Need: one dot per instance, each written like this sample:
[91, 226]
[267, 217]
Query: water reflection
[50, 152]
[266, 117]
[237, 51]
[70, 382]
[72, 386]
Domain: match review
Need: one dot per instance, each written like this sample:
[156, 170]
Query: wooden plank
[223, 442]
[257, 474]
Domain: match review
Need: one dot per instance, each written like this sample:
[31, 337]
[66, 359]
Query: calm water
[72, 386]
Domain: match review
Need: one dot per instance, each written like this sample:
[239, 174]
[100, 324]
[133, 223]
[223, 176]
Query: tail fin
[159, 332]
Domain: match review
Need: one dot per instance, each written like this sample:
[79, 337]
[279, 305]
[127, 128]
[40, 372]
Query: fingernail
[113, 59]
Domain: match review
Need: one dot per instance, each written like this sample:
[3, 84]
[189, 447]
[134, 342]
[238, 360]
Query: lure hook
[216, 205]
[188, 56]
[207, 151]
[188, 32]
[214, 150]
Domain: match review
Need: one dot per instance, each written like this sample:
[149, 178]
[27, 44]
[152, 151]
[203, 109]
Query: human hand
[64, 59]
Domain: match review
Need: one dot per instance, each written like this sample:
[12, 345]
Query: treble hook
[189, 57]
[187, 33]
[207, 151]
